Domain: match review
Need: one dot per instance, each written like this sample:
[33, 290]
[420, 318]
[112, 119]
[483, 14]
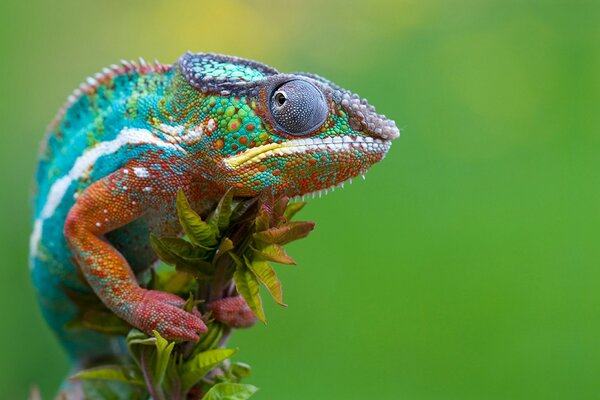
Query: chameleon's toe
[232, 311]
[178, 324]
[162, 312]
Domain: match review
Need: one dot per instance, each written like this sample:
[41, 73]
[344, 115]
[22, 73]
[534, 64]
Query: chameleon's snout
[364, 118]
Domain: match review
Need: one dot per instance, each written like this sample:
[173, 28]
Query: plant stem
[155, 393]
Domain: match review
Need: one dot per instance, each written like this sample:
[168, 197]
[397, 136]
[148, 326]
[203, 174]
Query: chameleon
[135, 134]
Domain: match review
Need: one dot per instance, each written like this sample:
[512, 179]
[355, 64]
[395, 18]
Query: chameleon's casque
[133, 135]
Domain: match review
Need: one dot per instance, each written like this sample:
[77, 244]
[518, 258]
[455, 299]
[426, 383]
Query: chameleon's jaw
[303, 166]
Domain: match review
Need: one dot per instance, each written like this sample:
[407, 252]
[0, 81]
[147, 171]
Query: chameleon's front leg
[103, 207]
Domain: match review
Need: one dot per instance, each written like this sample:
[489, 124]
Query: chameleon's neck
[179, 116]
[182, 104]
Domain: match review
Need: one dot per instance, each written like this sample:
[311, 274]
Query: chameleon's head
[297, 133]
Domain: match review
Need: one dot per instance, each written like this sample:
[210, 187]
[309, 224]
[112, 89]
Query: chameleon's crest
[217, 73]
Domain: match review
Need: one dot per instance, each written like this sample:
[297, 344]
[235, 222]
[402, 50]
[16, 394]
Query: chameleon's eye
[298, 107]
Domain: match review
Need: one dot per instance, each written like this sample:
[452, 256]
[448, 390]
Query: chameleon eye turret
[298, 107]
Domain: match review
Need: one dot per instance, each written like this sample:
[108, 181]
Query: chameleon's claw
[162, 312]
[232, 311]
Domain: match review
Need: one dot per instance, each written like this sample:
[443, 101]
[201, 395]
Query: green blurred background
[464, 267]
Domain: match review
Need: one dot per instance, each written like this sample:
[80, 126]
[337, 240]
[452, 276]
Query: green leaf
[273, 252]
[210, 339]
[279, 209]
[247, 286]
[292, 209]
[98, 389]
[230, 391]
[163, 251]
[183, 248]
[136, 336]
[195, 369]
[240, 370]
[236, 260]
[99, 320]
[190, 303]
[175, 251]
[225, 246]
[199, 232]
[172, 282]
[119, 373]
[267, 276]
[198, 268]
[285, 233]
[263, 220]
[163, 354]
[135, 339]
[221, 215]
[182, 254]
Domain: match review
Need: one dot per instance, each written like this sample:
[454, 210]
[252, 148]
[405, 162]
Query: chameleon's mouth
[335, 144]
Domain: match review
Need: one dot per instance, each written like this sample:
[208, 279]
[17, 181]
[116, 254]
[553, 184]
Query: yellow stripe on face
[347, 143]
[237, 160]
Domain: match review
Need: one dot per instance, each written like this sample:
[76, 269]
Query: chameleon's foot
[163, 312]
[232, 311]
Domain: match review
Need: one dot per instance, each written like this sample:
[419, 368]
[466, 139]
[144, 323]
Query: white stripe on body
[57, 192]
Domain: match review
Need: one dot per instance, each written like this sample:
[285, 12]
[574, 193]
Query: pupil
[280, 98]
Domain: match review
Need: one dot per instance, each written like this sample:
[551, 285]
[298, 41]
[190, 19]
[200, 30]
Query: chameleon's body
[132, 136]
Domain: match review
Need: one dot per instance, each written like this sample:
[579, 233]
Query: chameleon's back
[84, 143]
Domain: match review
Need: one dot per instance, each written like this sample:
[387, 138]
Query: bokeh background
[464, 267]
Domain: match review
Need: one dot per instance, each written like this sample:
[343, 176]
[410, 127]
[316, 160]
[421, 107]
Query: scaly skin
[132, 136]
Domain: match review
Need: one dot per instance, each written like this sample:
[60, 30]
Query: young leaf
[273, 252]
[163, 354]
[135, 340]
[136, 337]
[195, 369]
[240, 370]
[199, 232]
[210, 339]
[199, 268]
[279, 209]
[225, 246]
[230, 391]
[163, 251]
[263, 220]
[183, 248]
[98, 389]
[267, 276]
[171, 281]
[285, 233]
[221, 215]
[103, 321]
[247, 286]
[292, 209]
[183, 255]
[190, 303]
[120, 373]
